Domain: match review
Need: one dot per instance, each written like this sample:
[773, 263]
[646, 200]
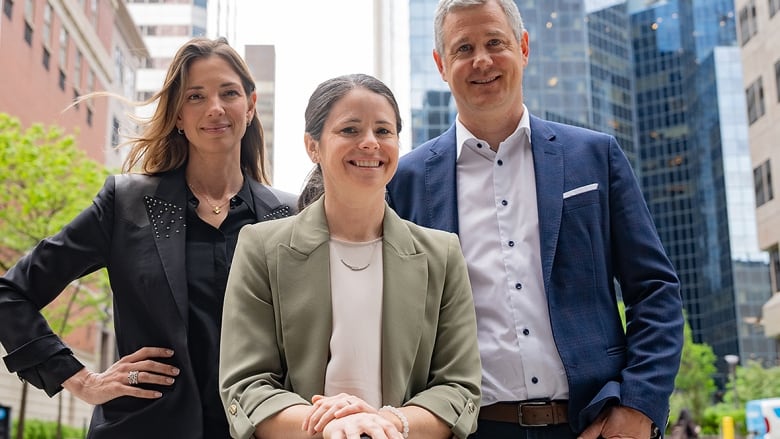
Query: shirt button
[504, 202]
[511, 243]
[518, 286]
[526, 331]
[479, 145]
[500, 163]
[534, 380]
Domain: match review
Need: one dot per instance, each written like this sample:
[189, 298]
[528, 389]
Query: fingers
[327, 408]
[147, 352]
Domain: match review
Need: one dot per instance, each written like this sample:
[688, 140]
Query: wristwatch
[655, 432]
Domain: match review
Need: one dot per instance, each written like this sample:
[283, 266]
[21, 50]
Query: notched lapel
[548, 167]
[169, 222]
[305, 316]
[403, 313]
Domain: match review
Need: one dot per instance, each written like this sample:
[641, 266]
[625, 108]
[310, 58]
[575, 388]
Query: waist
[527, 413]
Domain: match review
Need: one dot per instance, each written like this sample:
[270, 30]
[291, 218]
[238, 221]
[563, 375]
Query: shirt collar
[462, 134]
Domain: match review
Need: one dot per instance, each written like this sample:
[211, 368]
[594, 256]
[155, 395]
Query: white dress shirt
[499, 233]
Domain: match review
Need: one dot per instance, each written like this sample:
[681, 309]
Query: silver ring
[132, 377]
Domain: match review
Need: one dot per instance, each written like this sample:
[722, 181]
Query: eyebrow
[223, 85]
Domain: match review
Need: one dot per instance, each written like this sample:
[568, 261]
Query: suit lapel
[267, 205]
[167, 213]
[305, 314]
[548, 168]
[440, 184]
[403, 307]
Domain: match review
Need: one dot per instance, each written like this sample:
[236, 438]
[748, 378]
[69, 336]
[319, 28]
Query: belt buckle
[529, 403]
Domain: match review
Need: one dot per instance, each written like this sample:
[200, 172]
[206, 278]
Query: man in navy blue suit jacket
[550, 218]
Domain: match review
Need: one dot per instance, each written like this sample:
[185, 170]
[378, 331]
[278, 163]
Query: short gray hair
[446, 6]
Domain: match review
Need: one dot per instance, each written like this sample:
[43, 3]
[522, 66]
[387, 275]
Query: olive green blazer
[277, 322]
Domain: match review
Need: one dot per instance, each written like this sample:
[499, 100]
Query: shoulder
[432, 241]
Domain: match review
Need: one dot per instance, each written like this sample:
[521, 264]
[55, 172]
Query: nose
[369, 141]
[215, 106]
[482, 59]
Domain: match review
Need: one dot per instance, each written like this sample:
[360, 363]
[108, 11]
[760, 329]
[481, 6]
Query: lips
[485, 80]
[366, 163]
[216, 128]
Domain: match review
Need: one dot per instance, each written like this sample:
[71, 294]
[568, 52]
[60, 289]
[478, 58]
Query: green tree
[694, 384]
[45, 181]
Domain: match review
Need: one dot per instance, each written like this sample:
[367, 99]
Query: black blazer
[136, 229]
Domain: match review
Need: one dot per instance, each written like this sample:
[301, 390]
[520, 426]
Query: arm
[651, 292]
[453, 393]
[35, 353]
[251, 372]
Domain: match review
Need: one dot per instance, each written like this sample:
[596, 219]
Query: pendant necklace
[359, 268]
[216, 209]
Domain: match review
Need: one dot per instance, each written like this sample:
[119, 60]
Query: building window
[46, 59]
[774, 266]
[46, 33]
[8, 8]
[62, 80]
[748, 22]
[28, 31]
[762, 179]
[77, 70]
[76, 96]
[115, 132]
[755, 100]
[90, 81]
[63, 48]
[777, 79]
[93, 9]
[774, 6]
[89, 116]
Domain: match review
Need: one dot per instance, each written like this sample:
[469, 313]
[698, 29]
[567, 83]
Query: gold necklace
[215, 208]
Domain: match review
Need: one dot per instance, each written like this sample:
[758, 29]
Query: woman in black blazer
[166, 237]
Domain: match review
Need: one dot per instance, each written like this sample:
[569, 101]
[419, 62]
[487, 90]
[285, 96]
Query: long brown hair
[161, 148]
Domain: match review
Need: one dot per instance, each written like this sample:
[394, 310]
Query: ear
[312, 148]
[525, 48]
[250, 112]
[439, 64]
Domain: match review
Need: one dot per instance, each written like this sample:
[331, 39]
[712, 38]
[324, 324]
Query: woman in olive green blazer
[278, 315]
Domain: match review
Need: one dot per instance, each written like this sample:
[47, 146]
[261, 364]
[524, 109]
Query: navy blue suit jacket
[587, 240]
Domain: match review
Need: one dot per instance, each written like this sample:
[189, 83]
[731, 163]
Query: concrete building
[759, 30]
[262, 63]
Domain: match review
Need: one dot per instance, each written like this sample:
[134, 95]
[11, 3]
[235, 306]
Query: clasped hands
[346, 416]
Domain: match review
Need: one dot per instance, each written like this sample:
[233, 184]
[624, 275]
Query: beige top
[356, 301]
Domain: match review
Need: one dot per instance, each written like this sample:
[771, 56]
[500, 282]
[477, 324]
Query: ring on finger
[132, 377]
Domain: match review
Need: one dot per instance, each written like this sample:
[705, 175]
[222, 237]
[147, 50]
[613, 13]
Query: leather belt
[527, 413]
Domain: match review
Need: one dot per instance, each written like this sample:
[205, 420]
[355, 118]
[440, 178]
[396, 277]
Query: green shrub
[711, 422]
[37, 429]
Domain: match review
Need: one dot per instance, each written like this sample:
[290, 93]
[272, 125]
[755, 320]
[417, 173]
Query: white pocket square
[581, 189]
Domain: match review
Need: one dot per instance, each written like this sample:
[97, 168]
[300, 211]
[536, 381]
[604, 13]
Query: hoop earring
[181, 131]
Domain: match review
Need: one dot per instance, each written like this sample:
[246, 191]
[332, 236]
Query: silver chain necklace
[368, 264]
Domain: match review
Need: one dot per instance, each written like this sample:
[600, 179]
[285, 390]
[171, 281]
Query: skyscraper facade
[758, 31]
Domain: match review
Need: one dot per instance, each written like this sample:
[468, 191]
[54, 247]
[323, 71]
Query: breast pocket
[585, 196]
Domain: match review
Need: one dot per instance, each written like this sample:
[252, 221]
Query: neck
[492, 129]
[217, 180]
[354, 221]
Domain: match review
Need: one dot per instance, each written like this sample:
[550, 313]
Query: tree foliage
[45, 181]
[694, 384]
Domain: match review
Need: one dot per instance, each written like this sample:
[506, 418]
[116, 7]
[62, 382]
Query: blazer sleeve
[35, 352]
[651, 292]
[453, 392]
[251, 374]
